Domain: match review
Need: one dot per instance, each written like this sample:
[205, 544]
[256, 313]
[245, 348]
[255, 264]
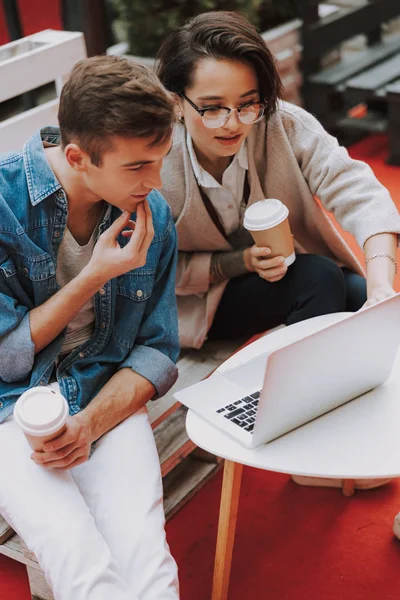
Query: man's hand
[69, 450]
[110, 260]
[270, 269]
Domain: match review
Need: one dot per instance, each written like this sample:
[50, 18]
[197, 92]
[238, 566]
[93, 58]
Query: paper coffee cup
[41, 412]
[268, 223]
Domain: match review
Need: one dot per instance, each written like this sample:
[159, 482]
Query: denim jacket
[135, 313]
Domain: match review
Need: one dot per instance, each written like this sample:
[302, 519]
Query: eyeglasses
[217, 116]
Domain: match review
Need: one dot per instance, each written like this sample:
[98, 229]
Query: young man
[87, 303]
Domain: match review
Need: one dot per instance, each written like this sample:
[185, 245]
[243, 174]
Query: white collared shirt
[226, 197]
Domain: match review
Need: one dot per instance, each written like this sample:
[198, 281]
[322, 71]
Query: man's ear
[76, 157]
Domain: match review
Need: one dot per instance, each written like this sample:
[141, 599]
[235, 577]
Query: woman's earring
[180, 117]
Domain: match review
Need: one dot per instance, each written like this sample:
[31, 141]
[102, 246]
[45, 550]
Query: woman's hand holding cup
[267, 220]
[257, 260]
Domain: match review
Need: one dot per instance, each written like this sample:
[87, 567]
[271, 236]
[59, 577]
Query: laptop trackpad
[250, 376]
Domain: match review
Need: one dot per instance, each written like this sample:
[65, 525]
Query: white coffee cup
[267, 221]
[41, 412]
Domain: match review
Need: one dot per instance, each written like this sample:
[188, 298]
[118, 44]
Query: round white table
[360, 439]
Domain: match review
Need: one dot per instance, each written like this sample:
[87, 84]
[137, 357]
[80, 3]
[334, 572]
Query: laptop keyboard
[242, 412]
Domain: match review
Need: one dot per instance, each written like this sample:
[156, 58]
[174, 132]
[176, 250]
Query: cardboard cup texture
[268, 223]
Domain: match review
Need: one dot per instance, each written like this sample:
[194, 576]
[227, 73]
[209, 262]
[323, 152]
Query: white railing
[27, 64]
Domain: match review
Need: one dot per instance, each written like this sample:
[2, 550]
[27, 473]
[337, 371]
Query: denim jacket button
[60, 194]
[102, 291]
[81, 355]
[139, 293]
[25, 271]
[102, 325]
[1, 404]
[57, 234]
[42, 382]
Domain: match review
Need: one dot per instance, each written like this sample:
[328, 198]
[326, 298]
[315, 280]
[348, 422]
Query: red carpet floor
[292, 543]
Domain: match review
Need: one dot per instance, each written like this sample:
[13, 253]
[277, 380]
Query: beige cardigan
[291, 158]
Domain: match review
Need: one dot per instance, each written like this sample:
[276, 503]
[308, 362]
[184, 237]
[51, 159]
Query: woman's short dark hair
[219, 35]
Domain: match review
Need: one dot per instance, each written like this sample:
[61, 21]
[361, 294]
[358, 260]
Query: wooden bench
[370, 76]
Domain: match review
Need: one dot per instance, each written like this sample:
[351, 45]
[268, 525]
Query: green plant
[147, 22]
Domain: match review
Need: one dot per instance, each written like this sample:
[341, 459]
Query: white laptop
[292, 382]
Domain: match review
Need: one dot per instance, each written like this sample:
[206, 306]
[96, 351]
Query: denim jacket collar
[40, 178]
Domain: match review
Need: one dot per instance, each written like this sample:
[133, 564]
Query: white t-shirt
[226, 197]
[71, 259]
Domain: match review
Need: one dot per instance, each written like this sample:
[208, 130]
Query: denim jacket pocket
[36, 268]
[132, 291]
[136, 285]
[31, 280]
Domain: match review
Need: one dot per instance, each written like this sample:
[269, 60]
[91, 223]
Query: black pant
[313, 285]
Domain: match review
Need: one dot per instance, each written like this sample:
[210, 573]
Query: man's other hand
[69, 450]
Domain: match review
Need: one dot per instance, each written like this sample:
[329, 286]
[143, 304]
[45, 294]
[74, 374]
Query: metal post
[90, 17]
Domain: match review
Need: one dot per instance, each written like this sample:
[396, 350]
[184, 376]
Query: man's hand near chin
[124, 394]
[69, 450]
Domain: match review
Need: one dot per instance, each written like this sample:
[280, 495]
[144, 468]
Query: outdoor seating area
[340, 61]
[369, 76]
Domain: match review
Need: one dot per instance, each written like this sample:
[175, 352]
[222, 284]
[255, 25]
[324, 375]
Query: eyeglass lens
[215, 117]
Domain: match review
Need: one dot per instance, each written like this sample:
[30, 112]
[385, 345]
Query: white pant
[98, 529]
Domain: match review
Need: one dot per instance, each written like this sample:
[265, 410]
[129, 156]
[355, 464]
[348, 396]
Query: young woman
[237, 143]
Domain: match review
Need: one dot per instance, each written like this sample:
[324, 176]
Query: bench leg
[40, 589]
[226, 528]
[348, 487]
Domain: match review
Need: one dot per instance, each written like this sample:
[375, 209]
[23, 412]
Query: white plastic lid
[264, 214]
[41, 411]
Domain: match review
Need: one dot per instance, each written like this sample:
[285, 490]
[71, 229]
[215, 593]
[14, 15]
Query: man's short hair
[110, 96]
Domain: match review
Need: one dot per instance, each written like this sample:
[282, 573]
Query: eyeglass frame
[202, 111]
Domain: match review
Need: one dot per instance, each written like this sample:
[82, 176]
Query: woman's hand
[271, 269]
[380, 257]
[378, 294]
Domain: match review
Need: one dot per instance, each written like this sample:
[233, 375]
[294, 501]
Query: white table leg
[226, 528]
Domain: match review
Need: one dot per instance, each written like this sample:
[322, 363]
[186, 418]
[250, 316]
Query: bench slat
[372, 123]
[185, 480]
[40, 589]
[327, 33]
[14, 548]
[5, 531]
[38, 59]
[394, 87]
[365, 59]
[15, 131]
[374, 78]
[172, 441]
